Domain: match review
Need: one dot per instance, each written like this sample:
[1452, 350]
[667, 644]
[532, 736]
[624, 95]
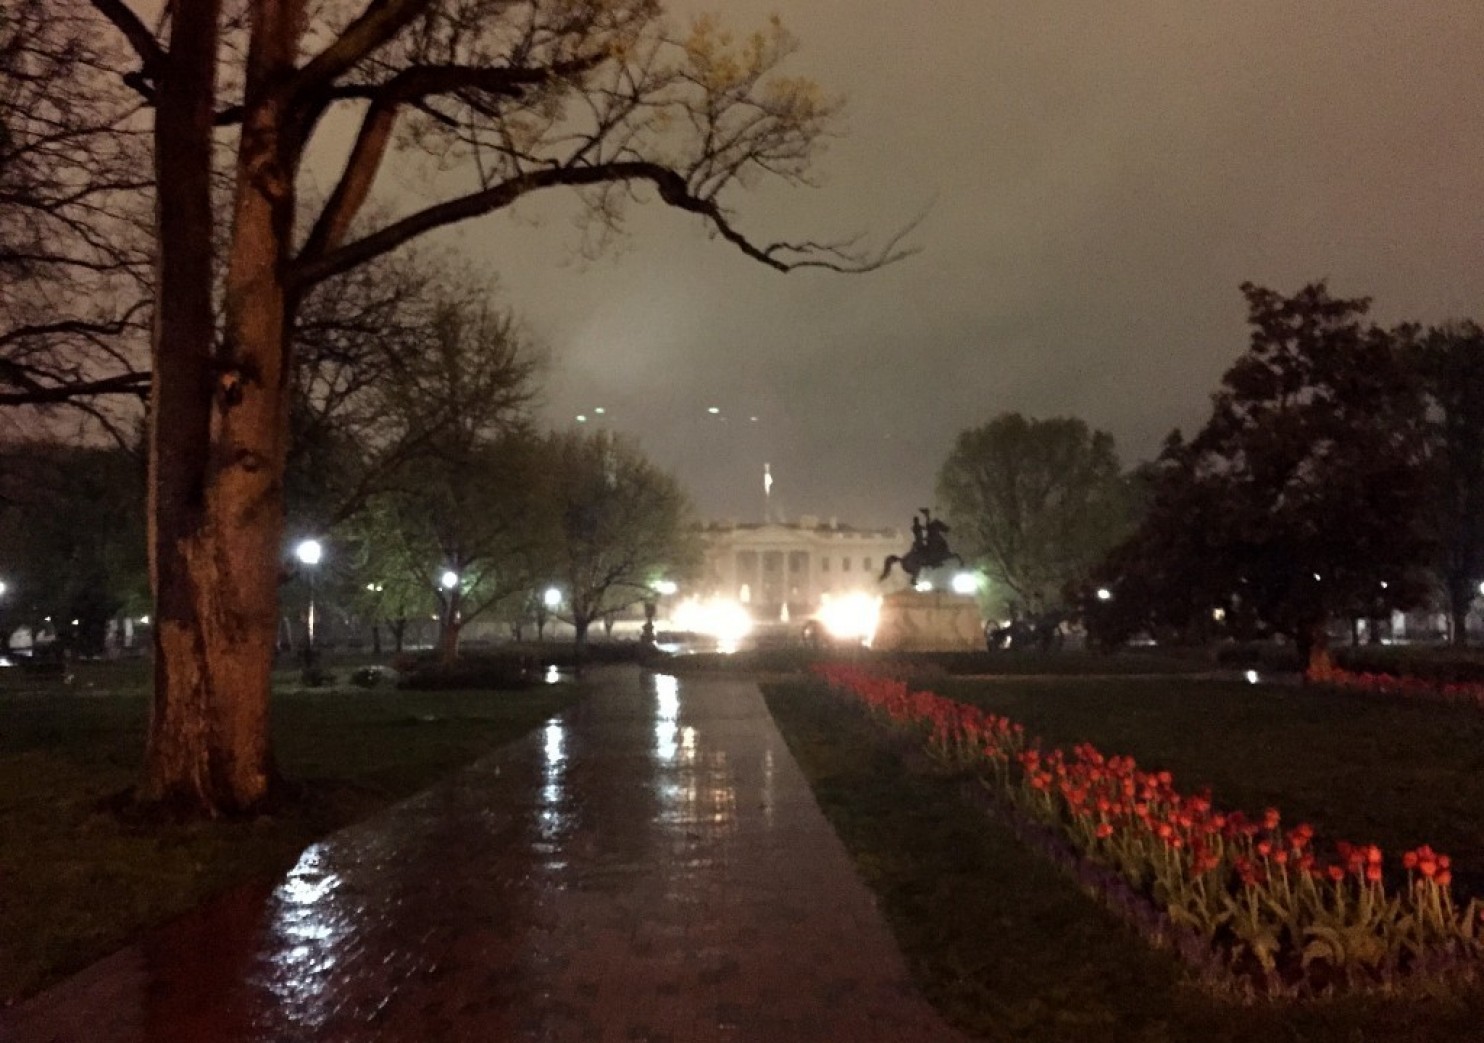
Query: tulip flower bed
[1266, 910]
[1396, 684]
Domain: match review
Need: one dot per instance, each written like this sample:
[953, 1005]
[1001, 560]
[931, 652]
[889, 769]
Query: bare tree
[622, 522]
[74, 211]
[370, 387]
[598, 96]
[456, 520]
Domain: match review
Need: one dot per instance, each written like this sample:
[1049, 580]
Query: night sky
[1098, 180]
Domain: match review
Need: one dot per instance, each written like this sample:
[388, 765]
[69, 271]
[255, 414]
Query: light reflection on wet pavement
[648, 866]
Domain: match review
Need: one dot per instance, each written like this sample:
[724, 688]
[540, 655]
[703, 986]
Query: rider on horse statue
[929, 547]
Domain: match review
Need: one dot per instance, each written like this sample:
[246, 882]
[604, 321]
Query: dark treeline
[1340, 476]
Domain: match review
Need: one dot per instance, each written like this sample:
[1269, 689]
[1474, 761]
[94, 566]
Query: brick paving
[649, 866]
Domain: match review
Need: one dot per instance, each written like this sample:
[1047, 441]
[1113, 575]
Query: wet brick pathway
[649, 866]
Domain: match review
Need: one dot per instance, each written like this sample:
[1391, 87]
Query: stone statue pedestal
[929, 621]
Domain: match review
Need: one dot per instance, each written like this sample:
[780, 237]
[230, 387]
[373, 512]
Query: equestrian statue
[929, 547]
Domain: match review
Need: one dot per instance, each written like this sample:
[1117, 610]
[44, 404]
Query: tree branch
[136, 384]
[151, 54]
[233, 114]
[376, 25]
[672, 188]
[376, 134]
[70, 326]
[410, 85]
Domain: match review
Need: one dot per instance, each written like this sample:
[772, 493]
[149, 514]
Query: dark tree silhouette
[1451, 359]
[1301, 498]
[1036, 503]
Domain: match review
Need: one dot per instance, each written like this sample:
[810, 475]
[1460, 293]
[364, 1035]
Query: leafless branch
[672, 189]
[151, 54]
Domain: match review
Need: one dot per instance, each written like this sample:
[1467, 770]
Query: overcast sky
[1100, 177]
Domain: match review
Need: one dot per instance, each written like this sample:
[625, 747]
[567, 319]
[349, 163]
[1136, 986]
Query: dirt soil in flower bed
[1003, 942]
[1371, 771]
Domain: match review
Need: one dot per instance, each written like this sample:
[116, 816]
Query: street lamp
[309, 553]
[551, 598]
[666, 587]
[1104, 594]
[449, 579]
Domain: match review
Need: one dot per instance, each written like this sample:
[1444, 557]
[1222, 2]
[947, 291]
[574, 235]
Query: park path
[650, 865]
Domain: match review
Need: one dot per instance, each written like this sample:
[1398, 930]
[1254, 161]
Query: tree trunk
[219, 426]
[1314, 646]
[448, 642]
[450, 624]
[580, 625]
[376, 639]
[1460, 599]
[399, 632]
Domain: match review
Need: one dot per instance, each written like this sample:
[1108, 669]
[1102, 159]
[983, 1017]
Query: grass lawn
[793, 658]
[78, 880]
[1008, 948]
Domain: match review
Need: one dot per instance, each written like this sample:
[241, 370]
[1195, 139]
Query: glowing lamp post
[551, 600]
[310, 553]
[965, 583]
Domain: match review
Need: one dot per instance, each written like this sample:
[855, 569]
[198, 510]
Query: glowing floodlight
[1104, 594]
[310, 552]
[552, 598]
[852, 617]
[965, 583]
[449, 579]
[720, 618]
[1251, 676]
[666, 587]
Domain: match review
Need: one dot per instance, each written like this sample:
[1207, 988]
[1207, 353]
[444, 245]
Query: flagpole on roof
[767, 493]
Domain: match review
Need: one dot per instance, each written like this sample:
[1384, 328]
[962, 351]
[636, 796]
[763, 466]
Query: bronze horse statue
[929, 549]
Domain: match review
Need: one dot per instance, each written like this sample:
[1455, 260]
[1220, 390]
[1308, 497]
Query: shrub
[487, 672]
[1438, 665]
[316, 677]
[372, 676]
